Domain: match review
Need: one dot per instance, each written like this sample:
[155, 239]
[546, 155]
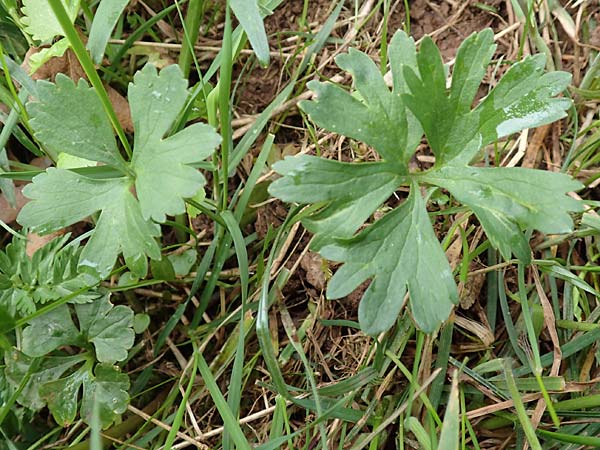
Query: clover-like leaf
[69, 118]
[108, 388]
[401, 250]
[50, 368]
[108, 327]
[50, 331]
[61, 395]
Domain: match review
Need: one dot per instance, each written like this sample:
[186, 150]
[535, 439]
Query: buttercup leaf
[163, 175]
[397, 251]
[355, 191]
[50, 331]
[152, 185]
[509, 199]
[108, 327]
[50, 368]
[39, 19]
[105, 386]
[69, 118]
[108, 388]
[61, 395]
[379, 118]
[400, 251]
[62, 197]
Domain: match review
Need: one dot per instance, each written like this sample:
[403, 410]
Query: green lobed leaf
[61, 395]
[50, 331]
[354, 190]
[163, 174]
[69, 118]
[523, 98]
[39, 19]
[61, 198]
[446, 117]
[509, 199]
[108, 388]
[379, 117]
[50, 368]
[108, 327]
[105, 386]
[506, 201]
[160, 173]
[396, 252]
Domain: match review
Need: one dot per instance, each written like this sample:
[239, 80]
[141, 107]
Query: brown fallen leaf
[35, 241]
[312, 263]
[8, 214]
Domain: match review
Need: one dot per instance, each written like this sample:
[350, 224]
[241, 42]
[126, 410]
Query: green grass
[243, 349]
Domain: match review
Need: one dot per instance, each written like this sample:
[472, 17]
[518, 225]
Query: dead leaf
[9, 214]
[35, 241]
[312, 263]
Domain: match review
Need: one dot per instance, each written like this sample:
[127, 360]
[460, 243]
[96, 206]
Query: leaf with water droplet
[108, 327]
[108, 388]
[104, 385]
[50, 368]
[397, 251]
[164, 176]
[48, 332]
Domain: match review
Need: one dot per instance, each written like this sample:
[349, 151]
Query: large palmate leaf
[400, 251]
[69, 118]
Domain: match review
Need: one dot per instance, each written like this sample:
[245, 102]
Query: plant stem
[224, 111]
[191, 28]
[90, 70]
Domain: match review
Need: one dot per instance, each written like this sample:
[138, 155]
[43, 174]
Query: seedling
[401, 251]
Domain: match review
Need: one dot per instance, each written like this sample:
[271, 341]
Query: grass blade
[451, 425]
[105, 19]
[248, 15]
